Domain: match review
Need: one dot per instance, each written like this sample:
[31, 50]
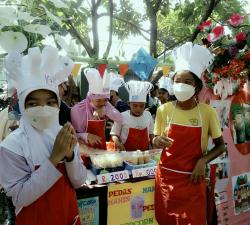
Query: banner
[232, 187]
[102, 68]
[166, 70]
[123, 68]
[75, 70]
[131, 203]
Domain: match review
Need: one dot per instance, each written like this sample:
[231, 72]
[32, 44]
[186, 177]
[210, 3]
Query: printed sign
[134, 201]
[144, 172]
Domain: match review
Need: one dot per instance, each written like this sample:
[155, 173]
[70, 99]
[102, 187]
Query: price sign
[144, 172]
[112, 177]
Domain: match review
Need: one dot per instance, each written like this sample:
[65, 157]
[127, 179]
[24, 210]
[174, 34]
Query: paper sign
[112, 177]
[144, 172]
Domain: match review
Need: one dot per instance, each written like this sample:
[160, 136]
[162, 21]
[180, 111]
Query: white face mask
[183, 92]
[42, 117]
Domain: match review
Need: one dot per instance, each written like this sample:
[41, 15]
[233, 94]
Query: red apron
[58, 206]
[137, 139]
[178, 201]
[97, 127]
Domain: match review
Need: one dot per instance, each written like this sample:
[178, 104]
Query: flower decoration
[8, 16]
[13, 41]
[236, 19]
[38, 29]
[231, 65]
[206, 26]
[241, 36]
[216, 34]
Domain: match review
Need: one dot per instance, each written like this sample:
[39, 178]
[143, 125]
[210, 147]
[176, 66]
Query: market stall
[122, 184]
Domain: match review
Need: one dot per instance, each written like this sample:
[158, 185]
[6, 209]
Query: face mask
[183, 92]
[42, 117]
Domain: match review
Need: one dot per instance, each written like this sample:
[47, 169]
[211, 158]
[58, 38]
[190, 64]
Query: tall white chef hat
[116, 81]
[192, 57]
[138, 90]
[167, 84]
[97, 84]
[44, 69]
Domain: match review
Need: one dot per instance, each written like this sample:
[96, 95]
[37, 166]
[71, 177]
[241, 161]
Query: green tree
[180, 24]
[80, 19]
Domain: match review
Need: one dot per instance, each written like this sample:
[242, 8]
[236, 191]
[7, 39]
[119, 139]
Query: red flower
[205, 26]
[216, 34]
[236, 19]
[247, 56]
[241, 36]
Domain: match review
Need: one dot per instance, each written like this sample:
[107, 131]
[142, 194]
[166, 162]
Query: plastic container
[129, 166]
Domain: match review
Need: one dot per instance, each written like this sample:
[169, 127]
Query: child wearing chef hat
[39, 162]
[90, 115]
[116, 81]
[182, 130]
[165, 89]
[136, 130]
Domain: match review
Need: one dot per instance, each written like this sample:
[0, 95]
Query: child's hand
[94, 139]
[64, 144]
[162, 142]
[198, 173]
[118, 144]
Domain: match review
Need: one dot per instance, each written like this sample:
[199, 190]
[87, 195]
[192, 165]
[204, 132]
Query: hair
[163, 89]
[198, 83]
[155, 87]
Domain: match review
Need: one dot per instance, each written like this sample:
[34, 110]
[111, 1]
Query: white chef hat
[37, 70]
[192, 57]
[116, 81]
[167, 84]
[138, 90]
[97, 84]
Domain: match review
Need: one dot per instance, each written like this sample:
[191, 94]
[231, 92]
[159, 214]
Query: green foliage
[126, 20]
[182, 19]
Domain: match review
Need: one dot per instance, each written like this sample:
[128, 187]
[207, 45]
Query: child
[136, 130]
[165, 90]
[182, 130]
[39, 162]
[90, 115]
[115, 83]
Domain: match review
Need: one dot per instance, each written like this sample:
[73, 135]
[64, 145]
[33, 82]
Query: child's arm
[116, 133]
[76, 171]
[151, 130]
[20, 181]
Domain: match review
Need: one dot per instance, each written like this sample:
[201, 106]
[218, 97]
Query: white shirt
[130, 121]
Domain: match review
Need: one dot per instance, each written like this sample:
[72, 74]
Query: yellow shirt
[209, 120]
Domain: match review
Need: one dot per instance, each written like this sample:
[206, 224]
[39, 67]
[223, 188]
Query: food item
[140, 157]
[133, 158]
[108, 160]
[146, 156]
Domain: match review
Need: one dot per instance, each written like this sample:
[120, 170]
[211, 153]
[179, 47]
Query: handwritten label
[112, 177]
[144, 172]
